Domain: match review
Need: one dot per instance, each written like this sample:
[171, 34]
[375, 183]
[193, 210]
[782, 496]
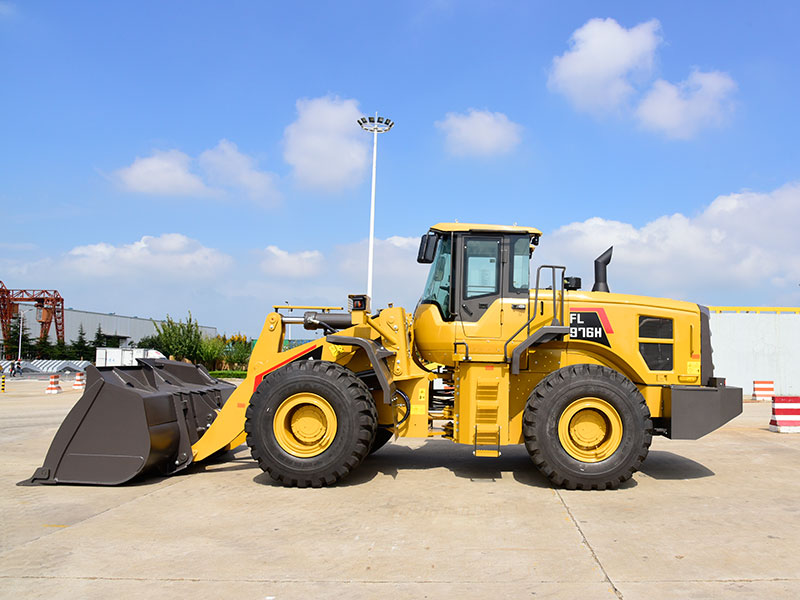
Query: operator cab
[486, 262]
[476, 271]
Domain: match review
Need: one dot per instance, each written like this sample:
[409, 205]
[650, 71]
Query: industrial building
[128, 330]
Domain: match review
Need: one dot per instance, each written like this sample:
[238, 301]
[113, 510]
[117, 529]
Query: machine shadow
[393, 459]
[661, 464]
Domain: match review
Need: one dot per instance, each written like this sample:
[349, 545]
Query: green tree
[151, 341]
[43, 348]
[63, 352]
[80, 349]
[99, 340]
[179, 339]
[237, 354]
[211, 351]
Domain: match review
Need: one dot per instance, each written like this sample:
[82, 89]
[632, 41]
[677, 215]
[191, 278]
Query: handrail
[556, 320]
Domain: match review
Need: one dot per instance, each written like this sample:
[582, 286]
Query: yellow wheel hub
[305, 425]
[590, 430]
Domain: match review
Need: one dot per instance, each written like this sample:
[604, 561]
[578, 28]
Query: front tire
[310, 423]
[587, 427]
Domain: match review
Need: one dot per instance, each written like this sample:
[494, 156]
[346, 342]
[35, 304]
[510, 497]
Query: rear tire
[587, 427]
[310, 423]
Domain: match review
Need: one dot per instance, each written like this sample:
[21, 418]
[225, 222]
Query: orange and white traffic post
[54, 387]
[80, 381]
[763, 391]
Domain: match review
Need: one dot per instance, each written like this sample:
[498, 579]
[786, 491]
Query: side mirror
[427, 248]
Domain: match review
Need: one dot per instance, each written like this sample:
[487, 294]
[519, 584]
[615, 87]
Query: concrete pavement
[718, 517]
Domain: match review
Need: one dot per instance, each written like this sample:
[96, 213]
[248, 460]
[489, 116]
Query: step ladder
[487, 431]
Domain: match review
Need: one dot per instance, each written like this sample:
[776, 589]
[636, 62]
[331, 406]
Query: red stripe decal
[260, 376]
[601, 312]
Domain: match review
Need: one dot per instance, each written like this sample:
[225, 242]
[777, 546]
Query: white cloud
[679, 111]
[163, 173]
[297, 265]
[171, 255]
[325, 147]
[226, 171]
[595, 73]
[225, 165]
[479, 133]
[742, 249]
[340, 271]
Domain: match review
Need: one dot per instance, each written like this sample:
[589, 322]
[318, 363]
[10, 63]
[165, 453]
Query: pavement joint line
[56, 530]
[294, 581]
[375, 581]
[588, 545]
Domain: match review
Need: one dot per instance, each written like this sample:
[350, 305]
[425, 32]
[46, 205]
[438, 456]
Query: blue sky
[164, 157]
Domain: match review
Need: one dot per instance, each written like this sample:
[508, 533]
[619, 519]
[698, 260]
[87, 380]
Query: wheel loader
[583, 379]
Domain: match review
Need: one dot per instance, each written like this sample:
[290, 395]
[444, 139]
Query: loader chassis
[489, 358]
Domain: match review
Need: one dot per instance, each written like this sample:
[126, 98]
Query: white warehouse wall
[757, 346]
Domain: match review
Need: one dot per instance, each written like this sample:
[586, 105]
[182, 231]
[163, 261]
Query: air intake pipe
[600, 276]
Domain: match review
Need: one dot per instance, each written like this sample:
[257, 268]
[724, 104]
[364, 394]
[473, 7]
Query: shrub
[211, 351]
[179, 339]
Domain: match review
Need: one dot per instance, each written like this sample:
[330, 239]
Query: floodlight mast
[374, 125]
[22, 314]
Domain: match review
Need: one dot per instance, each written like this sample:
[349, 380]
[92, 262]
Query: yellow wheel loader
[583, 379]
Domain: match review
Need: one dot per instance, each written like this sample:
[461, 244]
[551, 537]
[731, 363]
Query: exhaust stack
[600, 277]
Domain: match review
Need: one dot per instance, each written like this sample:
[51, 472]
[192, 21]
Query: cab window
[481, 267]
[520, 273]
[437, 288]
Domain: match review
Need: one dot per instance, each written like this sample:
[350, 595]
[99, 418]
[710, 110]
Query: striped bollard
[54, 387]
[763, 391]
[3, 387]
[80, 381]
[785, 414]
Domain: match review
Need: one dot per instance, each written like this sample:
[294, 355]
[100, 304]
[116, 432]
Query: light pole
[374, 125]
[21, 324]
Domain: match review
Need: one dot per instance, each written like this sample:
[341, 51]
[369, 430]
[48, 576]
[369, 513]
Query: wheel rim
[305, 425]
[590, 430]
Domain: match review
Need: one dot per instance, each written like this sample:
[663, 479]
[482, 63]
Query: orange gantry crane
[50, 305]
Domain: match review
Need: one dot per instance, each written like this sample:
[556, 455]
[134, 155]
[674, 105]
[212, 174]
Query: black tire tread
[547, 388]
[358, 394]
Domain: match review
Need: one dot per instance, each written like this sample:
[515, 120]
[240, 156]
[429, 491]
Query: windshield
[437, 289]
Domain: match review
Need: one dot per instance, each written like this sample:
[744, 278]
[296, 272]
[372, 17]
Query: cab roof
[475, 227]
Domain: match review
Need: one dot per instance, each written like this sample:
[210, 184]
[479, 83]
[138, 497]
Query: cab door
[492, 295]
[479, 276]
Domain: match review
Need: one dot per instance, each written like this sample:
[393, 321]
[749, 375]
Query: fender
[377, 355]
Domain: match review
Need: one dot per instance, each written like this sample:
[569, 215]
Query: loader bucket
[132, 421]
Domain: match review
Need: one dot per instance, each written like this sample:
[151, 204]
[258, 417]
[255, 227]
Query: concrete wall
[757, 346]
